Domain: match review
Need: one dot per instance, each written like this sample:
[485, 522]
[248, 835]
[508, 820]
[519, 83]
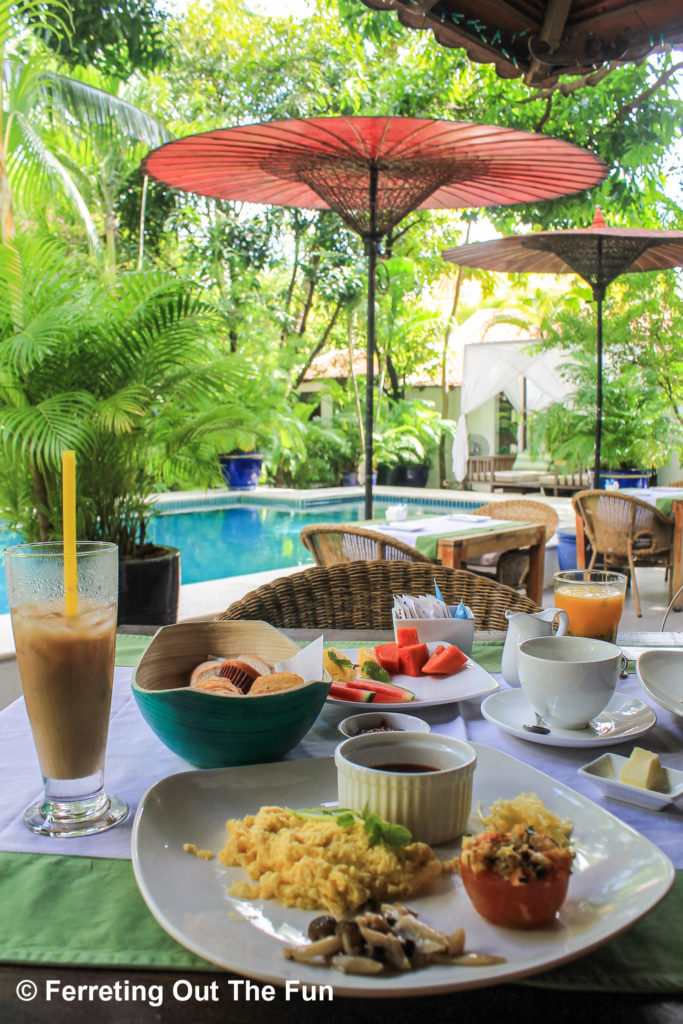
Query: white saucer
[624, 718]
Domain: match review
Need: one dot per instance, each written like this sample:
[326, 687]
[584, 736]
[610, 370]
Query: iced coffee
[66, 666]
[65, 642]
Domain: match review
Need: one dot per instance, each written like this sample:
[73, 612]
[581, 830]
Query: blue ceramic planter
[241, 470]
[612, 479]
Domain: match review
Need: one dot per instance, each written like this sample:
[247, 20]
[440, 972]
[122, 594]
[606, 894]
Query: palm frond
[33, 160]
[93, 106]
[40, 433]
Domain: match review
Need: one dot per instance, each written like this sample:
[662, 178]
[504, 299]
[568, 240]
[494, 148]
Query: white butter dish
[605, 771]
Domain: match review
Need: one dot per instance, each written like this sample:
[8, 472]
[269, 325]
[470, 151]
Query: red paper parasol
[598, 254]
[373, 171]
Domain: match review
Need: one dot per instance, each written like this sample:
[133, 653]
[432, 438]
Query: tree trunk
[321, 344]
[40, 495]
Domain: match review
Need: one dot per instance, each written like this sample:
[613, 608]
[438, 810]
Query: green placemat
[130, 648]
[427, 544]
[665, 504]
[88, 911]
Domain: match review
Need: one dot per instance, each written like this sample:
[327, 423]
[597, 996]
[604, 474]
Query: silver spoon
[538, 726]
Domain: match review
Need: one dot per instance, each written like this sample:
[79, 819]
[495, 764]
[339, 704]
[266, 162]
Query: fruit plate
[430, 691]
[618, 876]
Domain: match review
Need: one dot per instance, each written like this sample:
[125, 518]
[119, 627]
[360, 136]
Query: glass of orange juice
[593, 599]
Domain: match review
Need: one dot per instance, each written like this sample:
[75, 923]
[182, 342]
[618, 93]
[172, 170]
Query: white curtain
[491, 367]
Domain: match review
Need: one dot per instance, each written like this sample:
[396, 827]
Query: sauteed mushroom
[391, 939]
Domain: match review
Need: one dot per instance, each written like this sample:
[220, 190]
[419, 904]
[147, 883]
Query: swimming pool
[240, 538]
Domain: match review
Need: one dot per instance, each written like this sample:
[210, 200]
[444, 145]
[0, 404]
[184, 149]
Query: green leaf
[379, 830]
[339, 660]
[371, 670]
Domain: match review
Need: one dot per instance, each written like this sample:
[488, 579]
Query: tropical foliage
[126, 373]
[149, 330]
[642, 394]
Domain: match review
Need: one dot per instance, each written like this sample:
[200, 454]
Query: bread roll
[276, 682]
[207, 668]
[262, 666]
[218, 686]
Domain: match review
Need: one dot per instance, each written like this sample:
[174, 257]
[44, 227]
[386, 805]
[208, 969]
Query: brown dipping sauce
[404, 766]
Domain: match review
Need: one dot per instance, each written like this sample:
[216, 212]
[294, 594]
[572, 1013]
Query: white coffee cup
[568, 680]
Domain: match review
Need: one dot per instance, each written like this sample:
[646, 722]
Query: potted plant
[241, 469]
[126, 374]
[638, 430]
[408, 439]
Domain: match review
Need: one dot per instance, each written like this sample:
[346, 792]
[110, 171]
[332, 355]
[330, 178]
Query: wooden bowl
[211, 731]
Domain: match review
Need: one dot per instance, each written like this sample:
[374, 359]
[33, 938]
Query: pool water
[234, 541]
[218, 542]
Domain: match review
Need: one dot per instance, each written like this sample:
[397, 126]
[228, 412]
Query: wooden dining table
[90, 991]
[454, 539]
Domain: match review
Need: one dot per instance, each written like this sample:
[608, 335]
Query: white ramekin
[434, 805]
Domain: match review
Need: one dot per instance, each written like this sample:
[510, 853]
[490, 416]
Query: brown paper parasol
[373, 171]
[542, 41]
[598, 254]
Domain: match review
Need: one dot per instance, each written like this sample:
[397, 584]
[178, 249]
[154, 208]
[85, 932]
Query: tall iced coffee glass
[66, 665]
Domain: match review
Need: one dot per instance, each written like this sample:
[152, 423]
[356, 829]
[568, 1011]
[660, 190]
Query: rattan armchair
[627, 532]
[336, 543]
[359, 595]
[512, 567]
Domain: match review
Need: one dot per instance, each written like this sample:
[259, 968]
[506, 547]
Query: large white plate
[624, 718]
[661, 674]
[430, 691]
[618, 876]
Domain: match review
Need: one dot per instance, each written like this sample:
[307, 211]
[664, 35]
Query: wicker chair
[627, 532]
[512, 567]
[337, 543]
[359, 595]
[674, 483]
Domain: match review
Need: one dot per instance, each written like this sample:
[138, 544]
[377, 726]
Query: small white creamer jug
[524, 626]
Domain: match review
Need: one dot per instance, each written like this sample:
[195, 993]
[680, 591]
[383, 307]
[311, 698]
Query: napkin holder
[446, 631]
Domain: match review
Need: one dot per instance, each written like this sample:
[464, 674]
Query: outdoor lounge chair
[359, 595]
[626, 532]
[512, 567]
[336, 543]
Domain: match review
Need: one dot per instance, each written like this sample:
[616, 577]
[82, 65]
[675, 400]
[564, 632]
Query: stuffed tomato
[517, 879]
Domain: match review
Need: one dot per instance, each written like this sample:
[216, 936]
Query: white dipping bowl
[390, 721]
[434, 805]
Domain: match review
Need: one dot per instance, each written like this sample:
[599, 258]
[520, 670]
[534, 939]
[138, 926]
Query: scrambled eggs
[315, 863]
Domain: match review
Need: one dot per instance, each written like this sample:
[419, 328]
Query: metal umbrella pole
[372, 242]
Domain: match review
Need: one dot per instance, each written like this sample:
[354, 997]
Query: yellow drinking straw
[69, 532]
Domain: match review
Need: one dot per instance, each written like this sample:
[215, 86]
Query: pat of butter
[643, 769]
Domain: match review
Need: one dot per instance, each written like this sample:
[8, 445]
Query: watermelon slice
[386, 693]
[445, 661]
[412, 658]
[342, 691]
[387, 656]
[407, 636]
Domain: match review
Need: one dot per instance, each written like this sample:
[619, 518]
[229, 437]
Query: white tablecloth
[408, 530]
[136, 759]
[650, 494]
